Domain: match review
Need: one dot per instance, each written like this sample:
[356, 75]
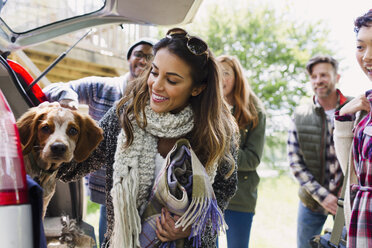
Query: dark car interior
[68, 199]
[14, 91]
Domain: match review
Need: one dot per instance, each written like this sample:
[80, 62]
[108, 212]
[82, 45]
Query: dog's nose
[58, 148]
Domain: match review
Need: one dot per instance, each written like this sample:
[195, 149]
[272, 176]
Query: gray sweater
[224, 189]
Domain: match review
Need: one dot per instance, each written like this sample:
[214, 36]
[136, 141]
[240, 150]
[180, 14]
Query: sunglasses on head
[195, 45]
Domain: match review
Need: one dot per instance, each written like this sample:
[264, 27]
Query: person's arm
[344, 123]
[300, 170]
[74, 92]
[56, 92]
[252, 145]
[343, 138]
[359, 103]
[99, 157]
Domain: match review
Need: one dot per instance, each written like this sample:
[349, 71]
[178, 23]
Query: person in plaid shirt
[311, 150]
[357, 136]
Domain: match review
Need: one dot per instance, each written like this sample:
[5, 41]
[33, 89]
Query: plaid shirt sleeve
[299, 169]
[60, 91]
[346, 117]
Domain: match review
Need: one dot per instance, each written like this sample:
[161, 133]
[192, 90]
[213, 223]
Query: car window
[24, 15]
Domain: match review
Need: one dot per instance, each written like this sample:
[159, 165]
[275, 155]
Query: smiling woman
[353, 137]
[54, 18]
[170, 86]
[179, 98]
[364, 48]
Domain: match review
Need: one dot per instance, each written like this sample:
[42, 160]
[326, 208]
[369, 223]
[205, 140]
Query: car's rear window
[25, 15]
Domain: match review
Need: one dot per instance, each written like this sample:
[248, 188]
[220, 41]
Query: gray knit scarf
[138, 162]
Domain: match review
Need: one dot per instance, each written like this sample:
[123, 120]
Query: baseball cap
[145, 40]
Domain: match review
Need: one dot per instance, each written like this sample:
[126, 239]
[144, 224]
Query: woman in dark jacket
[179, 97]
[249, 114]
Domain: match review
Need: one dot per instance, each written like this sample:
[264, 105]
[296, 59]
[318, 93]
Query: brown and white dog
[51, 135]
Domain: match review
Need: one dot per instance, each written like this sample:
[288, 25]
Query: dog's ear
[89, 138]
[27, 127]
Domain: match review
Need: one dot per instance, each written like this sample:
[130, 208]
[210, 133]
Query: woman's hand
[355, 105]
[165, 229]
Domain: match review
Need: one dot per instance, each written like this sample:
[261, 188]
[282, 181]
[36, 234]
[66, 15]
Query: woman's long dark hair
[214, 126]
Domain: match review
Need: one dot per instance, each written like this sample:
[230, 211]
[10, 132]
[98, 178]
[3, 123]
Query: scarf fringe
[127, 226]
[133, 171]
[201, 212]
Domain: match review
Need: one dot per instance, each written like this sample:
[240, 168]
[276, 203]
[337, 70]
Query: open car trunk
[43, 20]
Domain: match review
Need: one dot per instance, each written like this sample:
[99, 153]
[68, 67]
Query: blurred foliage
[274, 50]
[92, 207]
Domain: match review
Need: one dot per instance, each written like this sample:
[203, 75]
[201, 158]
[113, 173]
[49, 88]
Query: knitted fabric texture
[126, 193]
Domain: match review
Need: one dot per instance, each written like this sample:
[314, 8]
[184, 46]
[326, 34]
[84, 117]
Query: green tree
[273, 49]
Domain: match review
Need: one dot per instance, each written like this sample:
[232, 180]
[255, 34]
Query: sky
[339, 16]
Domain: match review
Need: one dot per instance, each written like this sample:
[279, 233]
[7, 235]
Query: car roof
[25, 23]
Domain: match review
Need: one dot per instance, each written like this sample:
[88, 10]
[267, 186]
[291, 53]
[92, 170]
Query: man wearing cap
[100, 94]
[139, 55]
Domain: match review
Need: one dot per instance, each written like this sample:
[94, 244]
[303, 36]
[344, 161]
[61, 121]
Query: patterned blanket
[183, 187]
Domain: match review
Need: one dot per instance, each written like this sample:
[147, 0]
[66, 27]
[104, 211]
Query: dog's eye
[72, 131]
[45, 129]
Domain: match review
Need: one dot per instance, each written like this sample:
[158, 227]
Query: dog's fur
[51, 135]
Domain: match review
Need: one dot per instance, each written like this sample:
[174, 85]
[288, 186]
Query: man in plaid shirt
[311, 150]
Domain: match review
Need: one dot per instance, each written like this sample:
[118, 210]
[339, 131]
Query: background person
[311, 150]
[353, 136]
[100, 94]
[249, 114]
[179, 98]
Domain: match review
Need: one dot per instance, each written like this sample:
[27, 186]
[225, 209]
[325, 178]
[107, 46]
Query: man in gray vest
[311, 151]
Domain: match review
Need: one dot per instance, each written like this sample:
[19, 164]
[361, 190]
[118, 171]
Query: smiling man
[311, 152]
[100, 94]
[139, 56]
